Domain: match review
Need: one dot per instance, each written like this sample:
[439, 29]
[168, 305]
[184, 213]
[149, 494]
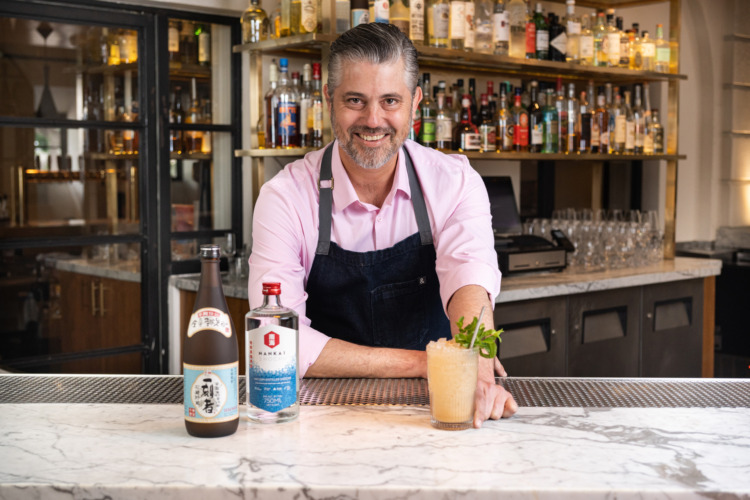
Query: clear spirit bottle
[438, 23]
[255, 24]
[500, 29]
[287, 109]
[573, 32]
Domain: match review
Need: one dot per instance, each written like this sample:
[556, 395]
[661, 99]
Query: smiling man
[379, 244]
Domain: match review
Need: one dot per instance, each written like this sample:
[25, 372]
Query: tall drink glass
[452, 381]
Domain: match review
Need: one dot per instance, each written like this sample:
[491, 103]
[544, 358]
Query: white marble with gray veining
[123, 270]
[142, 451]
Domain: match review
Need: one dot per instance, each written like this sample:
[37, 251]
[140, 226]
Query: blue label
[211, 392]
[288, 119]
[272, 367]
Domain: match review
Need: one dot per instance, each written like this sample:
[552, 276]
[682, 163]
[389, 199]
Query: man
[375, 237]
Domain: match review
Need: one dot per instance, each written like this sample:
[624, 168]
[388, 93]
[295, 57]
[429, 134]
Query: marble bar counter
[546, 284]
[123, 270]
[92, 449]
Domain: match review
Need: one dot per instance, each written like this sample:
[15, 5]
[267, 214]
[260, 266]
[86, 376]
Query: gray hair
[376, 43]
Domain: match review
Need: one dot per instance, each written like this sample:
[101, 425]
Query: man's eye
[391, 102]
[354, 100]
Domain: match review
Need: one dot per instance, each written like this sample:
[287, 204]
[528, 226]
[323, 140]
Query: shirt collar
[343, 190]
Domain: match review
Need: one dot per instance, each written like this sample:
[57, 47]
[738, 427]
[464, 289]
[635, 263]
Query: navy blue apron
[382, 298]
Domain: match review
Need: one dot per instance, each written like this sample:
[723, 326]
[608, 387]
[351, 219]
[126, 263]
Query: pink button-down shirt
[285, 228]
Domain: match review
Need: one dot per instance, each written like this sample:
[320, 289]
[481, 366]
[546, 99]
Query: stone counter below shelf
[125, 270]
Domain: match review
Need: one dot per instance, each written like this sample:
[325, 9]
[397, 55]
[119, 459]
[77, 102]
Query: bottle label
[318, 116]
[428, 130]
[648, 49]
[382, 11]
[648, 143]
[542, 40]
[440, 20]
[613, 52]
[210, 318]
[360, 16]
[272, 367]
[586, 46]
[530, 38]
[288, 119]
[444, 129]
[470, 141]
[416, 21]
[211, 392]
[343, 14]
[304, 116]
[521, 131]
[173, 44]
[574, 28]
[204, 47]
[594, 134]
[620, 132]
[662, 54]
[309, 16]
[629, 135]
[458, 20]
[560, 43]
[536, 134]
[500, 27]
[488, 137]
[469, 28]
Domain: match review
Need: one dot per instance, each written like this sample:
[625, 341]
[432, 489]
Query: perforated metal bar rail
[541, 392]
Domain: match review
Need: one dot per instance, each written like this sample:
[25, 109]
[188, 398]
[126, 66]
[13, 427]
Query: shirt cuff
[311, 343]
[471, 273]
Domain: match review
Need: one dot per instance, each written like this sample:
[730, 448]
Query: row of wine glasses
[613, 239]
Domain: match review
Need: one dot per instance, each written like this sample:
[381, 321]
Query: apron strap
[325, 188]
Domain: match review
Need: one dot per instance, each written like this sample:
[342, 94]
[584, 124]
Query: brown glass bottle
[210, 357]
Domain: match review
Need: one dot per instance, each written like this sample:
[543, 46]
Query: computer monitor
[505, 217]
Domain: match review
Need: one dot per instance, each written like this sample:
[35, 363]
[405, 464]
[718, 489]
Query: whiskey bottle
[272, 357]
[465, 133]
[310, 17]
[648, 52]
[210, 357]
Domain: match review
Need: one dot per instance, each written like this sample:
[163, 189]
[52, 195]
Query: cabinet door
[604, 330]
[672, 329]
[533, 343]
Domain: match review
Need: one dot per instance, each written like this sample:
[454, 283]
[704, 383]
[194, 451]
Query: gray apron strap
[325, 187]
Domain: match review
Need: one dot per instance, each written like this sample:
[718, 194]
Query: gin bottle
[210, 357]
[271, 354]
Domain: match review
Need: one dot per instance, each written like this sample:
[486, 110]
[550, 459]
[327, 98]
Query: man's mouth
[372, 137]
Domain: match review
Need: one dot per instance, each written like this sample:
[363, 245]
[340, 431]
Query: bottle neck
[271, 301]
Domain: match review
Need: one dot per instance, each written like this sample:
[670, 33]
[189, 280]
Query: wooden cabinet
[99, 314]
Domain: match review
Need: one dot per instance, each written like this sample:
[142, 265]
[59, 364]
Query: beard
[369, 157]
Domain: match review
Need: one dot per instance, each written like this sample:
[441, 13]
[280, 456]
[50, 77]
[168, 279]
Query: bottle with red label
[520, 125]
[210, 357]
[271, 355]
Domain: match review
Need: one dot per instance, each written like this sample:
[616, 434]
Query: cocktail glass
[452, 381]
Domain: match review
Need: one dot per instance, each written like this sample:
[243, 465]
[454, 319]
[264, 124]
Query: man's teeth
[372, 137]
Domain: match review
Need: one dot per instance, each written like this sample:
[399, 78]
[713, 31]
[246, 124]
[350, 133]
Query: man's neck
[372, 185]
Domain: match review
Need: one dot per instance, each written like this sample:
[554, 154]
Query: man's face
[371, 112]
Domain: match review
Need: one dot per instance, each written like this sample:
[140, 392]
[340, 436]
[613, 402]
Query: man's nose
[373, 116]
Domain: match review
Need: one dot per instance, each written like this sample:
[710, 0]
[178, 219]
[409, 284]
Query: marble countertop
[546, 284]
[81, 451]
[124, 270]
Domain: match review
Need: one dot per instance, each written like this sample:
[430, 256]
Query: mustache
[358, 129]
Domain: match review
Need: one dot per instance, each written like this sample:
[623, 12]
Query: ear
[328, 97]
[417, 99]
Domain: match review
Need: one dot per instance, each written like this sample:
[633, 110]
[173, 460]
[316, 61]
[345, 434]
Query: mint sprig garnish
[486, 340]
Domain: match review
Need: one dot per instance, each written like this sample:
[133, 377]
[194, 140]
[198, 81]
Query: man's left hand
[492, 401]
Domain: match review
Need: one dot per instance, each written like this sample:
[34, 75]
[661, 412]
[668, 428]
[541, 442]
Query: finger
[499, 369]
[500, 403]
[510, 408]
[482, 405]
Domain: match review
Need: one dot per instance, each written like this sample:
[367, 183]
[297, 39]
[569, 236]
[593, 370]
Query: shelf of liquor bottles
[487, 155]
[313, 43]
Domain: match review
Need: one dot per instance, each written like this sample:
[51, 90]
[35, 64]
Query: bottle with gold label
[210, 357]
[310, 18]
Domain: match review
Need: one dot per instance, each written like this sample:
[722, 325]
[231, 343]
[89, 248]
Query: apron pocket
[400, 314]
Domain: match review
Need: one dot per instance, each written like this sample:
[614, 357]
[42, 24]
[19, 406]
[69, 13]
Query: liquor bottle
[487, 127]
[271, 105]
[193, 138]
[530, 34]
[657, 132]
[285, 21]
[399, 16]
[550, 124]
[295, 14]
[491, 97]
[177, 117]
[416, 22]
[585, 118]
[574, 132]
[504, 123]
[456, 92]
[188, 44]
[305, 108]
[629, 125]
[129, 114]
[92, 111]
[635, 57]
[381, 11]
[572, 31]
[601, 43]
[619, 136]
[443, 121]
[613, 40]
[428, 110]
[287, 109]
[536, 136]
[662, 52]
[558, 39]
[416, 124]
[207, 143]
[483, 24]
[210, 357]
[624, 45]
[517, 19]
[648, 52]
[274, 24]
[343, 15]
[600, 125]
[457, 24]
[128, 46]
[561, 106]
[500, 29]
[255, 23]
[520, 124]
[586, 43]
[317, 109]
[640, 122]
[438, 23]
[272, 336]
[470, 31]
[610, 106]
[360, 12]
[203, 33]
[465, 133]
[648, 136]
[475, 118]
[173, 42]
[113, 44]
[310, 17]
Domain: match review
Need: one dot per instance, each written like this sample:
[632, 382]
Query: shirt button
[379, 218]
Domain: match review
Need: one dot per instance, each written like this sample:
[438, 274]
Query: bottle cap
[211, 252]
[316, 71]
[283, 62]
[271, 288]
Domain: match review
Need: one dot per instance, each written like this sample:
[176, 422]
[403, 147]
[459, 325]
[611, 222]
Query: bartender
[380, 244]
